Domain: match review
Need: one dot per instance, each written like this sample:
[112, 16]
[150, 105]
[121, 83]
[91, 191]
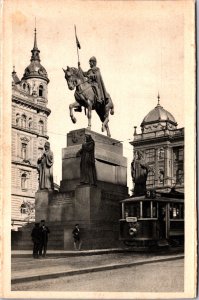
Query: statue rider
[95, 79]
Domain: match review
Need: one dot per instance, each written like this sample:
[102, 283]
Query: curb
[59, 254]
[72, 253]
[92, 269]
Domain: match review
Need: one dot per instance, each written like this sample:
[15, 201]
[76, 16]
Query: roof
[158, 114]
[35, 69]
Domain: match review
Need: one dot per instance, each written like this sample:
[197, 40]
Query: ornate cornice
[37, 107]
[23, 164]
[152, 140]
[32, 131]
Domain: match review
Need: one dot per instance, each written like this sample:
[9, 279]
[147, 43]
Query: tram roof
[158, 198]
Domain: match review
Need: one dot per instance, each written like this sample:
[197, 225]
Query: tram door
[162, 220]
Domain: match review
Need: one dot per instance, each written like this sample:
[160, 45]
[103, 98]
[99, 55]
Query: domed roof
[158, 114]
[35, 69]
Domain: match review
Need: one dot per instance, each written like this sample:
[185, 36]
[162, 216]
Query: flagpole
[76, 44]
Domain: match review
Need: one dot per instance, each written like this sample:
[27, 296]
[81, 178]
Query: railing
[155, 134]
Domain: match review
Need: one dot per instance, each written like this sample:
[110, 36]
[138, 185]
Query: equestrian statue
[90, 93]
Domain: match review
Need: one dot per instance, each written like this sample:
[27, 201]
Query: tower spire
[35, 51]
[158, 99]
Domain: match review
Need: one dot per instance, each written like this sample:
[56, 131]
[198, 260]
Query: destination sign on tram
[131, 219]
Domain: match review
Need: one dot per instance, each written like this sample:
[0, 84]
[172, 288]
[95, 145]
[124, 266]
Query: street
[165, 276]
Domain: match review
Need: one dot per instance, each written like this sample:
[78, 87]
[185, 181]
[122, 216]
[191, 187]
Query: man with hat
[44, 238]
[36, 238]
[95, 79]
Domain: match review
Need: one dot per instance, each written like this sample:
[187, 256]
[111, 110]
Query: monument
[94, 180]
[94, 172]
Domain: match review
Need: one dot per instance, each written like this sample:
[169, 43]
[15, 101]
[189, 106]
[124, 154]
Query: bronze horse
[86, 97]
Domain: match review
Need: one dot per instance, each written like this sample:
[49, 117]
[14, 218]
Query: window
[30, 123]
[23, 121]
[24, 86]
[161, 154]
[17, 119]
[23, 208]
[132, 210]
[178, 154]
[24, 151]
[150, 179]
[161, 176]
[28, 87]
[41, 90]
[179, 176]
[150, 155]
[176, 211]
[178, 165]
[24, 181]
[41, 127]
[146, 209]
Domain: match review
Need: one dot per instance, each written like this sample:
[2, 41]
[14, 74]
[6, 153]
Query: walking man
[44, 238]
[76, 236]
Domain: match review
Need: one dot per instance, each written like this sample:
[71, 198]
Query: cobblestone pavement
[27, 267]
[154, 277]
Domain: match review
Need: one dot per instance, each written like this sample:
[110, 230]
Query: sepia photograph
[98, 149]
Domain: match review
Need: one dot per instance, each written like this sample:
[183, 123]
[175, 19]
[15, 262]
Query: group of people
[39, 236]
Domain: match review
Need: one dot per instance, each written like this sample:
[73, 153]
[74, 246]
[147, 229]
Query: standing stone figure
[45, 168]
[95, 78]
[87, 164]
[139, 172]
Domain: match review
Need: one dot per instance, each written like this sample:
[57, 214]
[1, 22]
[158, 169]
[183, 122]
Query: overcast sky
[139, 46]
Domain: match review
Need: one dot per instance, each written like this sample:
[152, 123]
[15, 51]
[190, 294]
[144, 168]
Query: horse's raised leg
[71, 107]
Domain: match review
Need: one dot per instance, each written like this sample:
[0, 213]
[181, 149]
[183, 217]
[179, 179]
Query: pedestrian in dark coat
[36, 238]
[44, 238]
[77, 238]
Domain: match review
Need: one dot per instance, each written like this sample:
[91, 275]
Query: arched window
[17, 119]
[28, 87]
[24, 86]
[24, 151]
[23, 121]
[30, 123]
[41, 90]
[24, 181]
[41, 127]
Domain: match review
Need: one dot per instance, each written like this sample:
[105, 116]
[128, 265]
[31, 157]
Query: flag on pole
[77, 41]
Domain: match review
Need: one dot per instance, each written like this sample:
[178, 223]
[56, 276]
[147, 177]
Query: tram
[153, 220]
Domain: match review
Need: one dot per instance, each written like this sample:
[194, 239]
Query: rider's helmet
[93, 58]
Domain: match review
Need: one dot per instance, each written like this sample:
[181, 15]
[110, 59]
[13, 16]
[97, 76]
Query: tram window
[146, 209]
[132, 210]
[176, 211]
[154, 210]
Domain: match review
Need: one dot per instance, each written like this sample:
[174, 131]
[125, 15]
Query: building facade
[29, 133]
[162, 146]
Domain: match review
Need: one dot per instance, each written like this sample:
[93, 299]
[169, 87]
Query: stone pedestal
[96, 209]
[42, 200]
[111, 165]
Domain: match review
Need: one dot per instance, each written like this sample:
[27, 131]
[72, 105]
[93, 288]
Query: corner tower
[29, 133]
[162, 146]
